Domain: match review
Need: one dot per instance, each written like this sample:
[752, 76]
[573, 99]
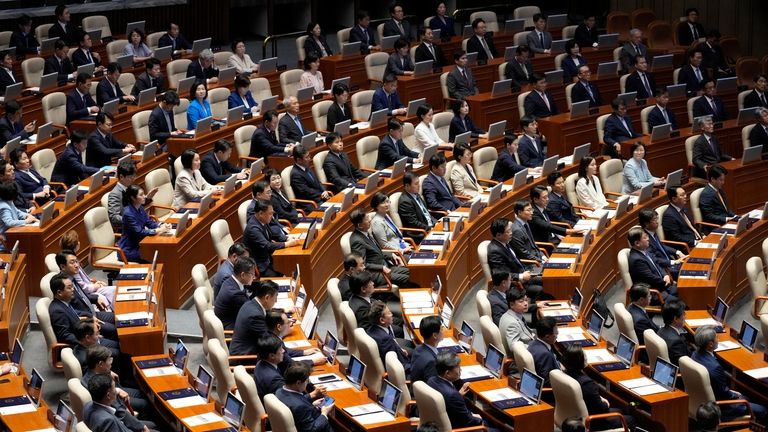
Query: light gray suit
[514, 329]
[535, 44]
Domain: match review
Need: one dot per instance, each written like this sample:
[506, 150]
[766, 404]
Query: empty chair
[50, 264]
[97, 22]
[221, 59]
[254, 416]
[163, 199]
[624, 319]
[432, 408]
[320, 114]
[180, 112]
[225, 380]
[612, 175]
[153, 39]
[45, 281]
[655, 346]
[491, 22]
[342, 36]
[396, 375]
[260, 89]
[521, 103]
[5, 39]
[519, 38]
[54, 347]
[300, 48]
[527, 13]
[176, 70]
[115, 49]
[218, 99]
[280, 416]
[221, 238]
[350, 323]
[242, 214]
[483, 161]
[289, 82]
[375, 64]
[32, 70]
[41, 31]
[367, 149]
[361, 105]
[491, 332]
[569, 31]
[55, 108]
[757, 281]
[101, 236]
[369, 354]
[482, 256]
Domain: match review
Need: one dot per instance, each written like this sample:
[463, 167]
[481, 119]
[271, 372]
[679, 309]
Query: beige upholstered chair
[689, 108]
[519, 38]
[483, 162]
[644, 119]
[163, 199]
[409, 136]
[491, 22]
[745, 131]
[254, 417]
[757, 281]
[569, 400]
[115, 49]
[180, 113]
[334, 294]
[521, 103]
[695, 197]
[45, 281]
[280, 417]
[126, 82]
[101, 236]
[72, 368]
[350, 323]
[243, 136]
[82, 427]
[600, 124]
[54, 347]
[764, 328]
[218, 99]
[289, 82]
[320, 114]
[32, 70]
[442, 123]
[79, 396]
[491, 332]
[203, 301]
[50, 265]
[242, 214]
[260, 89]
[482, 303]
[342, 36]
[612, 176]
[153, 39]
[482, 256]
[523, 358]
[369, 354]
[367, 149]
[568, 92]
[140, 124]
[361, 105]
[5, 39]
[221, 238]
[527, 13]
[221, 59]
[300, 52]
[655, 346]
[432, 408]
[225, 380]
[622, 258]
[375, 64]
[176, 70]
[41, 31]
[317, 161]
[96, 22]
[569, 31]
[699, 390]
[43, 161]
[625, 321]
[689, 155]
[396, 375]
[623, 83]
[55, 108]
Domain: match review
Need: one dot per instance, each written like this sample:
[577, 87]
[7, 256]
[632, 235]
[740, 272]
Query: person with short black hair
[337, 167]
[152, 77]
[539, 40]
[424, 355]
[259, 240]
[264, 141]
[99, 415]
[461, 82]
[676, 223]
[190, 184]
[383, 264]
[10, 216]
[126, 175]
[362, 33]
[502, 257]
[267, 374]
[708, 416]
[260, 190]
[559, 209]
[361, 288]
[618, 128]
[442, 21]
[512, 324]
[586, 32]
[692, 30]
[227, 267]
[481, 42]
[539, 102]
[400, 62]
[542, 348]
[709, 104]
[392, 148]
[315, 44]
[162, 124]
[572, 61]
[641, 81]
[7, 77]
[11, 125]
[216, 167]
[174, 39]
[60, 63]
[693, 75]
[23, 38]
[241, 96]
[340, 110]
[531, 143]
[712, 202]
[667, 257]
[85, 54]
[462, 123]
[109, 89]
[251, 324]
[520, 69]
[758, 136]
[199, 105]
[757, 97]
[448, 368]
[542, 228]
[281, 326]
[284, 209]
[508, 163]
[435, 189]
[304, 181]
[673, 314]
[640, 298]
[137, 224]
[69, 168]
[385, 97]
[234, 291]
[413, 210]
[80, 104]
[522, 240]
[462, 176]
[307, 417]
[397, 25]
[706, 149]
[381, 320]
[63, 28]
[643, 266]
[353, 264]
[103, 145]
[501, 283]
[661, 114]
[584, 89]
[427, 50]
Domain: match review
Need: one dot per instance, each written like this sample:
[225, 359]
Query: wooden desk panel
[487, 109]
[525, 418]
[14, 386]
[425, 86]
[338, 66]
[143, 340]
[15, 309]
[745, 185]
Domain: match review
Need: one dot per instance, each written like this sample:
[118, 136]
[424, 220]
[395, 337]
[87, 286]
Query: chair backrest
[300, 52]
[249, 393]
[126, 82]
[624, 319]
[600, 124]
[78, 396]
[523, 357]
[482, 256]
[444, 85]
[82, 427]
[350, 323]
[176, 70]
[448, 170]
[44, 319]
[260, 89]
[317, 161]
[689, 108]
[242, 214]
[757, 281]
[695, 209]
[521, 103]
[431, 406]
[559, 61]
[41, 31]
[5, 39]
[375, 64]
[394, 204]
[367, 149]
[153, 39]
[655, 346]
[644, 119]
[369, 354]
[43, 161]
[160, 179]
[380, 31]
[641, 18]
[180, 111]
[140, 123]
[745, 131]
[519, 38]
[289, 82]
[72, 368]
[320, 114]
[490, 331]
[361, 104]
[660, 35]
[55, 108]
[619, 22]
[203, 301]
[45, 281]
[50, 263]
[764, 327]
[568, 93]
[617, 54]
[676, 76]
[99, 231]
[623, 82]
[660, 229]
[95, 22]
[765, 250]
[342, 36]
[740, 98]
[696, 379]
[569, 400]
[32, 70]
[105, 201]
[396, 375]
[218, 99]
[221, 59]
[442, 123]
[483, 304]
[243, 136]
[115, 49]
[221, 237]
[409, 136]
[491, 21]
[622, 259]
[569, 31]
[527, 13]
[483, 161]
[280, 417]
[213, 328]
[689, 148]
[612, 175]
[285, 174]
[334, 294]
[225, 381]
[746, 69]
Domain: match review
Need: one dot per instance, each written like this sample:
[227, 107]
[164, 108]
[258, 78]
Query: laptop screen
[446, 314]
[35, 387]
[64, 418]
[180, 355]
[203, 382]
[625, 348]
[18, 350]
[389, 397]
[437, 286]
[531, 385]
[355, 371]
[233, 410]
[494, 359]
[721, 308]
[748, 335]
[665, 373]
[595, 324]
[466, 335]
[329, 346]
[576, 299]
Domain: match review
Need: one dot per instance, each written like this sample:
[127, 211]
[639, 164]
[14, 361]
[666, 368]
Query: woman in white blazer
[636, 172]
[462, 176]
[240, 60]
[383, 228]
[190, 184]
[425, 132]
[588, 187]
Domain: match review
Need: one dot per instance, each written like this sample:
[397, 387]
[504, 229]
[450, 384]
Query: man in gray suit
[632, 49]
[522, 238]
[539, 40]
[289, 128]
[512, 324]
[99, 415]
[461, 83]
[126, 175]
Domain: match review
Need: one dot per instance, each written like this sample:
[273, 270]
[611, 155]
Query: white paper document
[187, 402]
[368, 408]
[379, 417]
[131, 297]
[474, 371]
[700, 322]
[160, 371]
[726, 345]
[501, 394]
[17, 409]
[759, 373]
[295, 344]
[599, 355]
[201, 419]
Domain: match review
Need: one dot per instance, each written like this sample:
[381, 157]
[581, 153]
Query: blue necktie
[653, 263]
[298, 124]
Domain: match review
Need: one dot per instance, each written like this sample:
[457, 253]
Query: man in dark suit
[584, 90]
[673, 313]
[692, 31]
[397, 26]
[216, 167]
[632, 49]
[85, 54]
[712, 201]
[264, 140]
[23, 39]
[266, 373]
[427, 50]
[693, 75]
[69, 168]
[7, 76]
[586, 33]
[174, 39]
[541, 348]
[640, 80]
[719, 379]
[152, 77]
[522, 237]
[307, 416]
[709, 104]
[380, 330]
[109, 88]
[260, 240]
[706, 149]
[539, 39]
[640, 298]
[304, 181]
[643, 267]
[337, 167]
[399, 62]
[11, 126]
[353, 264]
[386, 97]
[381, 264]
[667, 257]
[424, 357]
[283, 208]
[539, 102]
[392, 148]
[541, 225]
[435, 188]
[661, 114]
[60, 63]
[162, 124]
[531, 146]
[203, 68]
[80, 104]
[234, 291]
[497, 295]
[502, 257]
[289, 127]
[714, 58]
[251, 323]
[481, 42]
[63, 28]
[757, 97]
[99, 415]
[412, 208]
[362, 287]
[759, 133]
[63, 316]
[362, 33]
[559, 209]
[677, 225]
[520, 69]
[618, 128]
[507, 165]
[460, 81]
[448, 368]
[103, 145]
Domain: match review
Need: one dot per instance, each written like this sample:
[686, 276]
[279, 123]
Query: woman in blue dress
[199, 107]
[136, 223]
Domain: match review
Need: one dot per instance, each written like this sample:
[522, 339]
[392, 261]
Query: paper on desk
[187, 402]
[699, 322]
[633, 199]
[474, 371]
[133, 316]
[336, 385]
[284, 303]
[759, 373]
[379, 417]
[562, 260]
[17, 409]
[422, 261]
[314, 358]
[459, 212]
[599, 355]
[568, 160]
[706, 245]
[572, 330]
[563, 245]
[201, 419]
[417, 304]
[729, 226]
[133, 289]
[315, 379]
[179, 215]
[418, 311]
[294, 344]
[33, 224]
[134, 270]
[160, 371]
[556, 312]
[755, 214]
[409, 296]
[500, 394]
[362, 125]
[364, 409]
[586, 224]
[416, 320]
[637, 382]
[572, 337]
[83, 188]
[447, 342]
[649, 390]
[131, 297]
[726, 345]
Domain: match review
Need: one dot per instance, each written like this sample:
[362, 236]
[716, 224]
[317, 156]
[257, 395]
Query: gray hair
[760, 111]
[704, 335]
[206, 54]
[701, 121]
[635, 32]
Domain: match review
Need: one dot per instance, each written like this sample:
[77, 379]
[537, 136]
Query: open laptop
[349, 196]
[17, 353]
[379, 118]
[185, 85]
[446, 313]
[110, 107]
[665, 373]
[226, 75]
[558, 46]
[474, 208]
[752, 154]
[520, 179]
[414, 105]
[350, 49]
[554, 77]
[662, 61]
[748, 336]
[558, 21]
[343, 80]
[146, 97]
[64, 420]
[625, 350]
[268, 104]
[232, 412]
[496, 130]
[607, 69]
[35, 387]
[501, 88]
[719, 312]
[428, 152]
[135, 25]
[674, 178]
[494, 193]
[628, 98]
[205, 204]
[579, 109]
[514, 26]
[47, 215]
[676, 91]
[494, 361]
[164, 53]
[388, 42]
[422, 68]
[549, 166]
[311, 234]
[180, 356]
[330, 347]
[354, 372]
[47, 46]
[95, 35]
[371, 183]
[70, 197]
[256, 167]
[203, 125]
[746, 116]
[467, 31]
[12, 92]
[610, 40]
[661, 132]
[342, 128]
[645, 193]
[576, 298]
[125, 61]
[510, 52]
[531, 386]
[97, 180]
[203, 382]
[725, 85]
[86, 69]
[235, 114]
[229, 185]
[200, 44]
[49, 82]
[44, 133]
[466, 336]
[305, 94]
[595, 325]
[389, 397]
[267, 65]
[580, 151]
[471, 59]
[463, 138]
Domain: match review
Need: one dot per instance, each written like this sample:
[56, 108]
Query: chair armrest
[303, 201]
[613, 194]
[463, 197]
[285, 222]
[441, 213]
[414, 230]
[604, 416]
[738, 402]
[534, 262]
[656, 293]
[242, 357]
[119, 251]
[757, 305]
[707, 224]
[247, 158]
[581, 207]
[160, 206]
[62, 127]
[562, 224]
[229, 332]
[327, 184]
[677, 243]
[59, 184]
[469, 429]
[488, 181]
[56, 354]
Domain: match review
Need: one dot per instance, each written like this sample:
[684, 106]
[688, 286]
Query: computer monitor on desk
[354, 372]
[199, 45]
[267, 65]
[233, 411]
[350, 49]
[665, 373]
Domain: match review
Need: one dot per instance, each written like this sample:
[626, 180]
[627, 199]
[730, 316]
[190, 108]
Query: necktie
[626, 127]
[469, 173]
[698, 74]
[514, 257]
[90, 59]
[637, 49]
[400, 27]
[173, 43]
[309, 173]
[722, 201]
[267, 233]
[711, 145]
[389, 330]
[486, 49]
[74, 312]
[432, 51]
[646, 85]
[589, 90]
[393, 226]
[85, 101]
[423, 209]
[653, 264]
[168, 121]
[690, 225]
[695, 32]
[464, 74]
[372, 240]
[298, 124]
[530, 235]
[525, 69]
[541, 40]
[712, 103]
[664, 113]
[402, 63]
[389, 101]
[546, 101]
[445, 184]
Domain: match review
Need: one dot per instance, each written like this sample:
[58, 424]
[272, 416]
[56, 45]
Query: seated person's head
[708, 416]
[270, 348]
[573, 359]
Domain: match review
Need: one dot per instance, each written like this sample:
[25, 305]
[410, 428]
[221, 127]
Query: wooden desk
[142, 340]
[745, 184]
[427, 86]
[338, 66]
[57, 144]
[23, 422]
[15, 309]
[204, 143]
[487, 109]
[524, 418]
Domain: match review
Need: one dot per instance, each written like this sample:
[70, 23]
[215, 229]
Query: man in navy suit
[706, 343]
[586, 33]
[584, 90]
[676, 222]
[541, 225]
[392, 148]
[618, 128]
[23, 38]
[501, 281]
[541, 348]
[706, 149]
[481, 42]
[80, 104]
[531, 144]
[11, 126]
[424, 357]
[757, 97]
[162, 124]
[559, 209]
[712, 202]
[216, 167]
[385, 97]
[85, 54]
[63, 27]
[251, 322]
[641, 81]
[234, 291]
[289, 127]
[448, 367]
[397, 26]
[520, 69]
[307, 417]
[152, 77]
[362, 33]
[266, 373]
[539, 102]
[673, 313]
[661, 113]
[227, 267]
[264, 140]
[109, 88]
[435, 188]
[382, 264]
[304, 181]
[460, 81]
[709, 104]
[381, 331]
[99, 415]
[337, 167]
[667, 257]
[640, 298]
[63, 315]
[507, 165]
[174, 39]
[60, 63]
[759, 133]
[693, 75]
[260, 241]
[502, 257]
[427, 50]
[360, 285]
[103, 145]
[643, 266]
[412, 208]
[203, 68]
[69, 168]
